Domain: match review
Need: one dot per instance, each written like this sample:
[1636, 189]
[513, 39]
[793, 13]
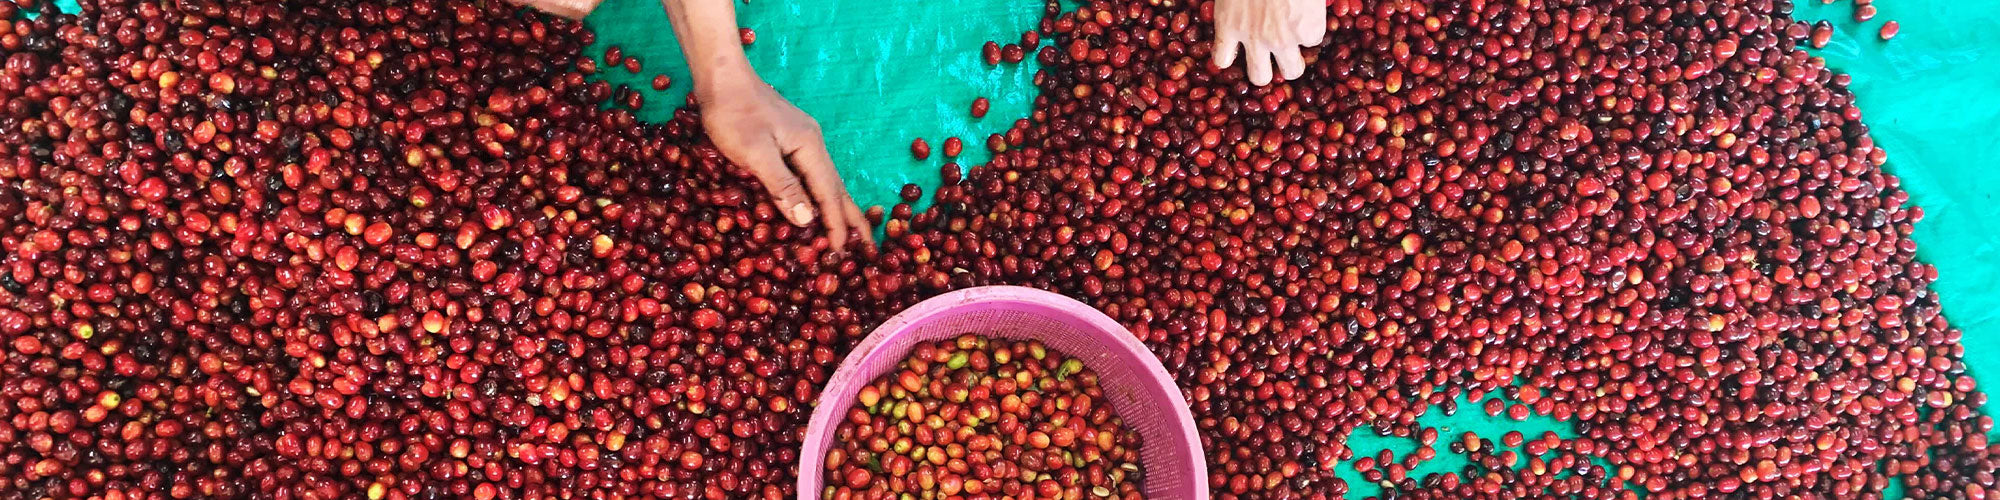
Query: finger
[858, 222]
[808, 154]
[1225, 49]
[1258, 63]
[1290, 64]
[1312, 28]
[573, 9]
[786, 191]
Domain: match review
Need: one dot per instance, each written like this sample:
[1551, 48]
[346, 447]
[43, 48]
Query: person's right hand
[752, 125]
[1268, 29]
[758, 129]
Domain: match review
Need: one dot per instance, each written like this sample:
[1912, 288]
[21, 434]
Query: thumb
[787, 192]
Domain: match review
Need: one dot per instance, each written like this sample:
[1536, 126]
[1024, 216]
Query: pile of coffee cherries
[400, 249]
[976, 416]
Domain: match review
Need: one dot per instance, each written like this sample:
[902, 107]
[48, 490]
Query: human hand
[758, 129]
[1268, 29]
[573, 9]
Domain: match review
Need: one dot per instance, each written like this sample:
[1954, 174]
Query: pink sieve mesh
[1135, 384]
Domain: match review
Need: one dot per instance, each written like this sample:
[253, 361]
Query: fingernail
[801, 214]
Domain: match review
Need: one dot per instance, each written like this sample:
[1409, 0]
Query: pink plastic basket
[1138, 388]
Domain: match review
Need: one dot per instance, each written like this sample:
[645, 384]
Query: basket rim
[811, 461]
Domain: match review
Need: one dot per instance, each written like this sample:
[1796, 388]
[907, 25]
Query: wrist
[723, 75]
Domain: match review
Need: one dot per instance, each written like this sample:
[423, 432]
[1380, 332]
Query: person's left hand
[758, 129]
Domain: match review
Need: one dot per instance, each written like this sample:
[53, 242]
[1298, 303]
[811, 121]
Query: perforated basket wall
[1134, 382]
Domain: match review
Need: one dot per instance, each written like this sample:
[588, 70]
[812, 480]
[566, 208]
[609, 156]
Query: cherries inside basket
[973, 416]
